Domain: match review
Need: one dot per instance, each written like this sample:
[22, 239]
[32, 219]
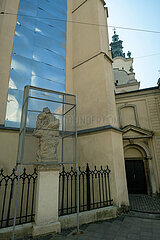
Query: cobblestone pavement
[125, 227]
[144, 203]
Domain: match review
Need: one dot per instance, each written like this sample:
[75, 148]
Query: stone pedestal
[46, 208]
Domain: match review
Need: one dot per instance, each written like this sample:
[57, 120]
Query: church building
[63, 46]
[139, 118]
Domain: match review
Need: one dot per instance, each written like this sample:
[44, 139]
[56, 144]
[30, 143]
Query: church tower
[124, 76]
[116, 46]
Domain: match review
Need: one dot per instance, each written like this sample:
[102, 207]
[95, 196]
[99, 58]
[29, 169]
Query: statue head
[46, 110]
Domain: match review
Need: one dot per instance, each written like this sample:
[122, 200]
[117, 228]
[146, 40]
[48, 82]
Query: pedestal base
[46, 229]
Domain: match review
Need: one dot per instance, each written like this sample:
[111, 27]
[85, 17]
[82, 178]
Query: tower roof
[117, 48]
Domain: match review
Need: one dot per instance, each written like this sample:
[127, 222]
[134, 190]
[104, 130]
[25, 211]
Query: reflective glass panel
[39, 52]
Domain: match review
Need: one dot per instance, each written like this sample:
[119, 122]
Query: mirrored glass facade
[39, 52]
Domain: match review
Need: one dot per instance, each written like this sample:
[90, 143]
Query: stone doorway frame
[147, 160]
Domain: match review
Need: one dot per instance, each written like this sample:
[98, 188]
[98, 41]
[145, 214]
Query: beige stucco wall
[8, 149]
[127, 87]
[129, 153]
[101, 149]
[7, 30]
[124, 74]
[9, 146]
[90, 76]
[69, 62]
[148, 112]
[122, 63]
[95, 94]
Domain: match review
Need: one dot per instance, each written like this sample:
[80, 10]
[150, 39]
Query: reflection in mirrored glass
[39, 53]
[14, 105]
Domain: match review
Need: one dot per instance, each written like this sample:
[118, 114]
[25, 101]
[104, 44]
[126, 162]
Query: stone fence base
[22, 230]
[95, 215]
[66, 221]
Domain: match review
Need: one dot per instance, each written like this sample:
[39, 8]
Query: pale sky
[141, 14]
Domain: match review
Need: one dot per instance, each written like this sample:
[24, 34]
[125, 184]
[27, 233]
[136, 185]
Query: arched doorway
[136, 168]
[135, 174]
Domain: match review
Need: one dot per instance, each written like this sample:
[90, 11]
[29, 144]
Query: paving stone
[133, 236]
[144, 203]
[147, 234]
[146, 229]
[147, 238]
[124, 228]
[120, 238]
[135, 230]
[109, 236]
[122, 234]
[156, 238]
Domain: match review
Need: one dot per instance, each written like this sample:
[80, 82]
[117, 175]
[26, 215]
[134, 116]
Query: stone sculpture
[47, 130]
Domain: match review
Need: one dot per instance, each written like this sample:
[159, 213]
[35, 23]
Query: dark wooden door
[136, 180]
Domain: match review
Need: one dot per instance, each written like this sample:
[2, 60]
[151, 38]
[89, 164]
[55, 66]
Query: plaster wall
[131, 152]
[9, 146]
[122, 63]
[7, 30]
[91, 76]
[69, 48]
[93, 87]
[123, 77]
[104, 148]
[88, 38]
[127, 87]
[141, 108]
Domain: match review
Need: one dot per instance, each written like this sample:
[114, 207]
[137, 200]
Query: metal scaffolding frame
[53, 99]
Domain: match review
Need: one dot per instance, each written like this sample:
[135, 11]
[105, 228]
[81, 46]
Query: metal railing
[94, 190]
[25, 210]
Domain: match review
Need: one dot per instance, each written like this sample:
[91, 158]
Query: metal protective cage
[63, 107]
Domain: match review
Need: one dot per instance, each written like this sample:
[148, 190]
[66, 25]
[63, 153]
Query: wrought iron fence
[94, 190]
[25, 209]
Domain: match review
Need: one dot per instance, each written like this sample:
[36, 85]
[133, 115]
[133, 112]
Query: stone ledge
[95, 215]
[20, 231]
[97, 129]
[39, 230]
